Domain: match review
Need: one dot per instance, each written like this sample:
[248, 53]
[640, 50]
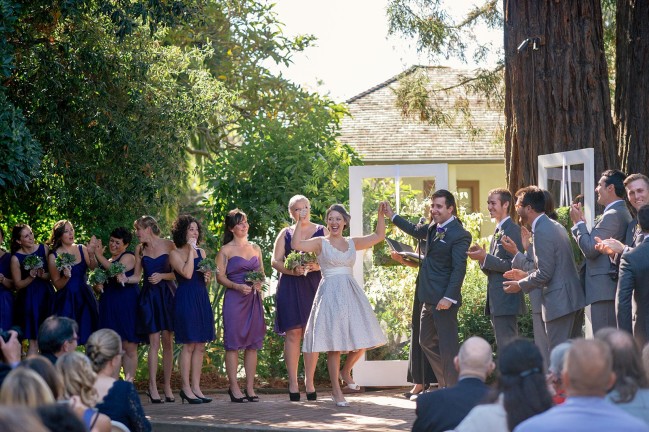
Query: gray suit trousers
[438, 339]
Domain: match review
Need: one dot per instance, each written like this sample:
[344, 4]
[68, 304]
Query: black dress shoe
[183, 398]
[293, 397]
[311, 396]
[254, 398]
[237, 400]
[153, 401]
[205, 399]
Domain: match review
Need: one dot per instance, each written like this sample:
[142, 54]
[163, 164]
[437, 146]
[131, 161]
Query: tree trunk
[557, 96]
[632, 85]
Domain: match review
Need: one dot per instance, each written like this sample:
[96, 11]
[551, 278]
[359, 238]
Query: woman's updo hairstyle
[340, 209]
[232, 219]
[102, 346]
[147, 222]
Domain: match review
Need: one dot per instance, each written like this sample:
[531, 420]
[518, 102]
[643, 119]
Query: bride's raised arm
[309, 245]
[377, 236]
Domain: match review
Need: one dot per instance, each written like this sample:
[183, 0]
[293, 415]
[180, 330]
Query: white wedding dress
[341, 317]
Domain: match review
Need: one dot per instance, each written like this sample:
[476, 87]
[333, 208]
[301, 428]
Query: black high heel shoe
[183, 398]
[293, 397]
[311, 396]
[237, 400]
[204, 399]
[170, 399]
[153, 401]
[254, 398]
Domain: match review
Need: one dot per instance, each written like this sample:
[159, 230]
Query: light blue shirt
[583, 414]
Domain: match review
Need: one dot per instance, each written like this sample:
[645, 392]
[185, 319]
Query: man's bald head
[588, 369]
[475, 358]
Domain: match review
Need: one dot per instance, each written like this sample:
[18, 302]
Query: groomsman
[441, 275]
[601, 275]
[503, 308]
[637, 190]
[634, 280]
[555, 273]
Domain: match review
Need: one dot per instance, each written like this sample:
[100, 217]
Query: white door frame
[559, 163]
[381, 373]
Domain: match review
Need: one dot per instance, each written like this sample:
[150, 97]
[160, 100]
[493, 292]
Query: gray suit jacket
[633, 283]
[525, 261]
[555, 272]
[442, 272]
[613, 224]
[497, 262]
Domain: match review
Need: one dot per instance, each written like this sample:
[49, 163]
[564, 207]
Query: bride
[341, 319]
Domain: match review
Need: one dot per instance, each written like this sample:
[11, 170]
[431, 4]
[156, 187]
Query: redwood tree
[556, 88]
[632, 85]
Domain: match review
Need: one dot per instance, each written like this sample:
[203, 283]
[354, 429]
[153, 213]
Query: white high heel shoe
[342, 403]
[351, 386]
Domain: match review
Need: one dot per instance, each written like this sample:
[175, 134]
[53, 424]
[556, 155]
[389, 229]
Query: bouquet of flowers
[116, 268]
[293, 260]
[207, 265]
[97, 277]
[33, 262]
[256, 276]
[296, 259]
[64, 260]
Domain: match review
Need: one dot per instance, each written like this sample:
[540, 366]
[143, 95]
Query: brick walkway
[383, 410]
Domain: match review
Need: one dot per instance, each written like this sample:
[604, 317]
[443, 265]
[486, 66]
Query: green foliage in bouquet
[255, 276]
[295, 259]
[97, 277]
[115, 269]
[64, 260]
[207, 265]
[32, 262]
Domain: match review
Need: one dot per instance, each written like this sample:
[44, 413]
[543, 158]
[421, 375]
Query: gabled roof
[380, 134]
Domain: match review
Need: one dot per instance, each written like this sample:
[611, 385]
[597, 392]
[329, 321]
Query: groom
[440, 281]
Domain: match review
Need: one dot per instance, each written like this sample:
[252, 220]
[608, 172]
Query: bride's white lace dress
[341, 318]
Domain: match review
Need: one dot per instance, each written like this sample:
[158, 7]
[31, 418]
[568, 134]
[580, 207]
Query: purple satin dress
[193, 316]
[35, 302]
[295, 293]
[77, 301]
[118, 306]
[243, 315]
[6, 296]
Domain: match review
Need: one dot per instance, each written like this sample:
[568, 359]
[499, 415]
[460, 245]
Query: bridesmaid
[35, 297]
[156, 301]
[295, 293]
[118, 303]
[194, 318]
[243, 313]
[6, 287]
[74, 298]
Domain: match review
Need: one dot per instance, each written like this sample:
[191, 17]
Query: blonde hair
[19, 419]
[147, 222]
[296, 199]
[102, 346]
[24, 387]
[78, 377]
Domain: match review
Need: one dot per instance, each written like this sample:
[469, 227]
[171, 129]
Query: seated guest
[78, 381]
[10, 352]
[587, 374]
[48, 372]
[522, 392]
[631, 390]
[56, 336]
[553, 377]
[118, 399]
[60, 418]
[444, 409]
[20, 419]
[24, 387]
